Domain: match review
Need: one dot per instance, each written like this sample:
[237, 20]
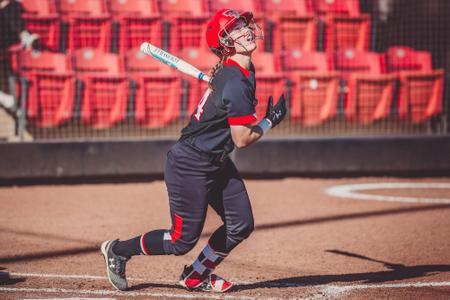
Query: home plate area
[350, 238]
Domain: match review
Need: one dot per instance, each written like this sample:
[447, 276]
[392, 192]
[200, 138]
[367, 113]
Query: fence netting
[72, 69]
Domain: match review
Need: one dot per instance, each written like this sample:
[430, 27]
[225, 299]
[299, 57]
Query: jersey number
[201, 104]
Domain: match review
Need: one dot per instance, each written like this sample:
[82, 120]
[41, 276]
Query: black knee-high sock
[220, 242]
[150, 243]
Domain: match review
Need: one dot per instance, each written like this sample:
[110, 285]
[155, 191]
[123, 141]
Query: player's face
[243, 36]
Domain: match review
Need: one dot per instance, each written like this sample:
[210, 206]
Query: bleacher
[318, 52]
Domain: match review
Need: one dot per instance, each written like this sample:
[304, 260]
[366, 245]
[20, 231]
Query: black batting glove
[269, 107]
[275, 114]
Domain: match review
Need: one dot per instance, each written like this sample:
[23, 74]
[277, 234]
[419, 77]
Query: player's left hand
[275, 114]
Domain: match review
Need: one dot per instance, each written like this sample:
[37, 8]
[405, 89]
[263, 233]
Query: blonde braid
[214, 70]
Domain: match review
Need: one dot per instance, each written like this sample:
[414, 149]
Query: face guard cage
[227, 41]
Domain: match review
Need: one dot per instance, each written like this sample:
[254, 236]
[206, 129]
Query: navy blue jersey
[231, 103]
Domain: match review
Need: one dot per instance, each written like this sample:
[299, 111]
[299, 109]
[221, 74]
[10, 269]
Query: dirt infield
[307, 244]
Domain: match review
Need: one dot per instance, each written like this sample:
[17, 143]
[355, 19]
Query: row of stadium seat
[81, 25]
[152, 8]
[114, 86]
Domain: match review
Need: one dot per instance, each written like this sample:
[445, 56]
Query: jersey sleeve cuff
[242, 120]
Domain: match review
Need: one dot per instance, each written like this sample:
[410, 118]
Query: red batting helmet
[218, 27]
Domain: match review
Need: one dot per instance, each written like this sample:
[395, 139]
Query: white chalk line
[334, 291]
[70, 298]
[131, 294]
[326, 291]
[350, 191]
[94, 277]
[323, 290]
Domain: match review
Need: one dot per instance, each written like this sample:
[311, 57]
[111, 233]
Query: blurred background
[71, 69]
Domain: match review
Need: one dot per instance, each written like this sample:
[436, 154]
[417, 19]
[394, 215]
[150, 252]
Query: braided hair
[214, 70]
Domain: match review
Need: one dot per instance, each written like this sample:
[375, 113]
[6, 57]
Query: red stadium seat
[184, 8]
[347, 7]
[264, 62]
[420, 96]
[138, 20]
[269, 82]
[142, 8]
[350, 61]
[88, 24]
[158, 90]
[204, 60]
[24, 63]
[39, 7]
[136, 29]
[47, 27]
[106, 88]
[187, 21]
[314, 97]
[138, 63]
[239, 5]
[402, 58]
[274, 8]
[342, 32]
[83, 8]
[268, 85]
[89, 32]
[51, 98]
[421, 88]
[187, 32]
[158, 100]
[91, 61]
[315, 87]
[40, 17]
[50, 87]
[369, 92]
[292, 32]
[34, 61]
[298, 60]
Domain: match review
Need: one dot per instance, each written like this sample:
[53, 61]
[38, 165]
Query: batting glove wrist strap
[265, 125]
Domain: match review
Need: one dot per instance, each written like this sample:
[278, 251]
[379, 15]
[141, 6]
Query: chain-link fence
[72, 69]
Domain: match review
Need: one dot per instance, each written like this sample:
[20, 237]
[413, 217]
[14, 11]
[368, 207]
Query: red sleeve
[242, 120]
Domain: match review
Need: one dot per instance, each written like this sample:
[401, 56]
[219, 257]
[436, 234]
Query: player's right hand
[275, 114]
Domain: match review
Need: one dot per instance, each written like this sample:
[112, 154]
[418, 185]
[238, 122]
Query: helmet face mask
[239, 28]
[221, 32]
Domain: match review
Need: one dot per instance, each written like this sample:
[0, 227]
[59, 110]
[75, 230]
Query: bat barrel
[173, 61]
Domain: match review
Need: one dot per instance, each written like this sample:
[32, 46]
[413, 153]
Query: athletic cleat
[115, 266]
[216, 284]
[192, 280]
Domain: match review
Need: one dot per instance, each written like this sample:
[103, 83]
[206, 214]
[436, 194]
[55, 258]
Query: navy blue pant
[193, 183]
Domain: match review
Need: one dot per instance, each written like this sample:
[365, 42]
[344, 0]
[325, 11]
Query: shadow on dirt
[5, 279]
[395, 272]
[50, 254]
[268, 226]
[143, 286]
[45, 236]
[344, 217]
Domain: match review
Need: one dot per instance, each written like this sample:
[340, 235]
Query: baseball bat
[173, 61]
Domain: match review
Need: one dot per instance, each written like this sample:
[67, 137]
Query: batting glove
[275, 114]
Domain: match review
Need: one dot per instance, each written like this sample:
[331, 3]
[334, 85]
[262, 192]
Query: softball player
[198, 171]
